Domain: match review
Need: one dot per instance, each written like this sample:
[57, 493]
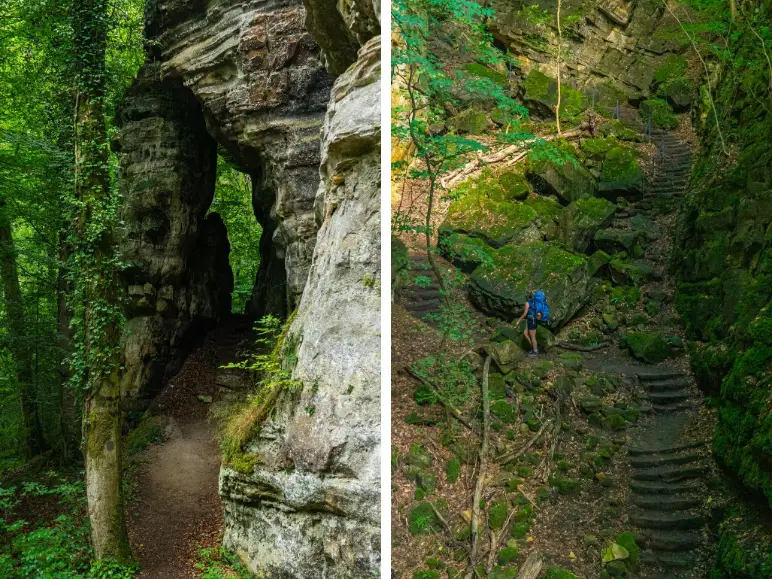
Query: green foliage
[559, 573]
[147, 432]
[233, 202]
[454, 379]
[627, 540]
[422, 520]
[272, 365]
[661, 113]
[219, 563]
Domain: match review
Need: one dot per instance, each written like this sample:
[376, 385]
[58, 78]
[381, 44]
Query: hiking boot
[533, 354]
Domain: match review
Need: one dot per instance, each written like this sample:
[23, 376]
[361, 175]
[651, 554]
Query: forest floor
[174, 509]
[581, 487]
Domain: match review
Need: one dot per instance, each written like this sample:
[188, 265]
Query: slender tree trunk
[96, 293]
[34, 442]
[560, 46]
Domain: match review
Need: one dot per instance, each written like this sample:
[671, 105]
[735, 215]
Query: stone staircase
[673, 165]
[423, 298]
[667, 478]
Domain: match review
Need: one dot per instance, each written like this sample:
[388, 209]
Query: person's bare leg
[528, 337]
[532, 339]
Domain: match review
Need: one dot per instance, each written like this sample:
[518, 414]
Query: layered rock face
[311, 507]
[611, 47]
[178, 278]
[248, 77]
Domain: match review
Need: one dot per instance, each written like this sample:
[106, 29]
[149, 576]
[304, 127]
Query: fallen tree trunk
[532, 567]
[466, 171]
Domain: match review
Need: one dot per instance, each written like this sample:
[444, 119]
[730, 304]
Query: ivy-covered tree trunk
[34, 442]
[94, 281]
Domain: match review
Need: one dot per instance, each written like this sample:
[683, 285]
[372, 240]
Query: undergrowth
[219, 563]
[56, 546]
[273, 375]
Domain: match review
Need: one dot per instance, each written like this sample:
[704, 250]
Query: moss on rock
[621, 175]
[501, 288]
[650, 348]
[582, 219]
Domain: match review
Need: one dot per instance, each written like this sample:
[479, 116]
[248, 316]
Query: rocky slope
[251, 79]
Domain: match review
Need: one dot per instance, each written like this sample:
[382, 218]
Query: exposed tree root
[473, 553]
[452, 410]
[510, 455]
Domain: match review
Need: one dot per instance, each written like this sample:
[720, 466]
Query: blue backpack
[538, 304]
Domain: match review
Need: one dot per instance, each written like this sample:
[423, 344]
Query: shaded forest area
[616, 156]
[64, 68]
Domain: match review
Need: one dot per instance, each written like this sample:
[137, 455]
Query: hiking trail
[175, 508]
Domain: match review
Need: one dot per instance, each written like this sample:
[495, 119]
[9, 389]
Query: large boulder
[621, 175]
[541, 96]
[501, 287]
[465, 252]
[564, 177]
[581, 220]
[484, 209]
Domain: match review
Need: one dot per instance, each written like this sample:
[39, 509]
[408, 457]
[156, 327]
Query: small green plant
[453, 379]
[219, 563]
[273, 372]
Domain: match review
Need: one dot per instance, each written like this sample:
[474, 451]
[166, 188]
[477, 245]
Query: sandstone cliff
[255, 80]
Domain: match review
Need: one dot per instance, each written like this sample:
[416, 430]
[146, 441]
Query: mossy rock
[515, 185]
[545, 339]
[472, 122]
[541, 96]
[506, 355]
[483, 71]
[421, 574]
[650, 348]
[149, 431]
[621, 175]
[618, 240]
[501, 288]
[503, 573]
[497, 515]
[508, 555]
[672, 82]
[548, 211]
[453, 470]
[598, 261]
[417, 456]
[564, 176]
[504, 411]
[463, 251]
[661, 113]
[563, 484]
[481, 210]
[635, 273]
[582, 219]
[619, 130]
[422, 520]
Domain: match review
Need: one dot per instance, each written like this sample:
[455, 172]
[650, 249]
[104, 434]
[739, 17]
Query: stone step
[664, 489]
[662, 373]
[667, 560]
[428, 293]
[636, 451]
[674, 407]
[654, 460]
[669, 474]
[423, 307]
[671, 541]
[684, 521]
[669, 396]
[666, 503]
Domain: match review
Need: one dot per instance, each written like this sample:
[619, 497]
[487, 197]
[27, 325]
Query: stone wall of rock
[178, 280]
[311, 506]
[612, 47]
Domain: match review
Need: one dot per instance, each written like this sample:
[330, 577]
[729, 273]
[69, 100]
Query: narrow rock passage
[175, 507]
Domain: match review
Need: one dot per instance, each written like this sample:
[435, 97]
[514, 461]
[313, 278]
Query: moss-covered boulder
[515, 185]
[541, 96]
[482, 71]
[464, 252]
[619, 240]
[581, 220]
[485, 209]
[501, 287]
[661, 113]
[632, 273]
[472, 122]
[651, 348]
[621, 175]
[561, 175]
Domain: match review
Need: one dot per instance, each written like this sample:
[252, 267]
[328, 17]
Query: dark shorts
[532, 322]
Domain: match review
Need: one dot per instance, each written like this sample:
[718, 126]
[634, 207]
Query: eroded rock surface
[321, 451]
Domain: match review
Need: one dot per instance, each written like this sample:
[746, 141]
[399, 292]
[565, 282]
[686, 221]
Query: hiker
[536, 312]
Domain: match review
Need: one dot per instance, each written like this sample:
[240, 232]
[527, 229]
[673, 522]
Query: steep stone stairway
[667, 476]
[673, 163]
[424, 297]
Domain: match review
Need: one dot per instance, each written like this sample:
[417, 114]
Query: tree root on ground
[580, 348]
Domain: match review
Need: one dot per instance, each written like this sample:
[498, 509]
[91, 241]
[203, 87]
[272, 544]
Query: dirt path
[177, 508]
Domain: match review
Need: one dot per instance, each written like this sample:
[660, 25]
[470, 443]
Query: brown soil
[175, 508]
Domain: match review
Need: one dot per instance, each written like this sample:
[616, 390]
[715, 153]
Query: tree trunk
[34, 442]
[96, 318]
